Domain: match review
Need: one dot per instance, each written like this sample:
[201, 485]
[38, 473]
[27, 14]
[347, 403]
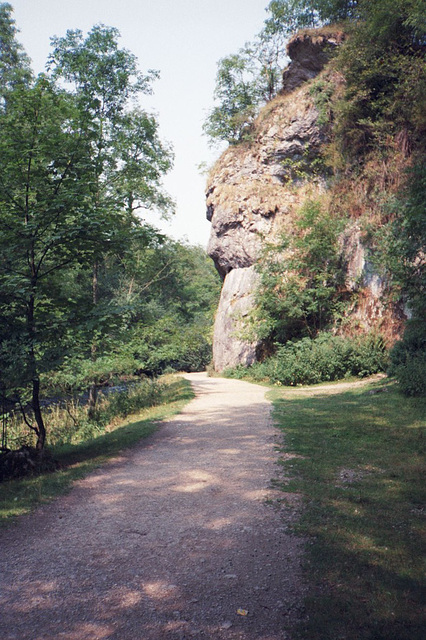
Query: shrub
[408, 359]
[323, 359]
[169, 346]
[69, 422]
[302, 288]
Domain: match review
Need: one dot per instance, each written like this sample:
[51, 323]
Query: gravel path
[167, 541]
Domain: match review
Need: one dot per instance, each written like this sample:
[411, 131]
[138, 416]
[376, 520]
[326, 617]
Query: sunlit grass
[360, 469]
[18, 497]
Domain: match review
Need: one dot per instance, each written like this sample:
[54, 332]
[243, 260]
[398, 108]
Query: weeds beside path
[18, 497]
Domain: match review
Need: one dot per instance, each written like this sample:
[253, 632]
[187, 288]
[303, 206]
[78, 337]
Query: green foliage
[70, 422]
[402, 243]
[356, 460]
[324, 359]
[402, 247]
[244, 82]
[147, 393]
[301, 290]
[236, 93]
[14, 63]
[382, 61]
[408, 359]
[170, 345]
[322, 92]
[45, 229]
[156, 314]
[82, 277]
[384, 69]
[287, 16]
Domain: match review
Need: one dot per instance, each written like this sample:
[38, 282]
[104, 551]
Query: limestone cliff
[255, 191]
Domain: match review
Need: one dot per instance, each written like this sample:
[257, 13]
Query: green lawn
[18, 497]
[357, 461]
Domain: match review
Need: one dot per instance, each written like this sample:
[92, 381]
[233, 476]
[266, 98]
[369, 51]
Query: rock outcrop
[230, 346]
[255, 190]
[309, 53]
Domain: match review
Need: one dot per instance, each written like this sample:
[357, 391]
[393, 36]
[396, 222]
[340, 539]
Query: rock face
[230, 348]
[255, 190]
[245, 196]
[309, 54]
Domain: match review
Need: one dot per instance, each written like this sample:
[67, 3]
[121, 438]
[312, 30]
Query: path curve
[167, 541]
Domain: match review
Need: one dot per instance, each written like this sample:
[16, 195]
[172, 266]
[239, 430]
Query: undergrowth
[77, 459]
[323, 359]
[70, 421]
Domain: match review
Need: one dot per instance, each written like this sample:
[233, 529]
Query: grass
[357, 460]
[18, 497]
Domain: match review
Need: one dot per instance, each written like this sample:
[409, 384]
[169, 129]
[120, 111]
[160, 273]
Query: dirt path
[166, 542]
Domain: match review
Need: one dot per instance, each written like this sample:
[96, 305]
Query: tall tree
[127, 158]
[237, 96]
[44, 229]
[73, 169]
[14, 63]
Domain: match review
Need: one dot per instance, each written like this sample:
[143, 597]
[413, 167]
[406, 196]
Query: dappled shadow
[359, 467]
[169, 541]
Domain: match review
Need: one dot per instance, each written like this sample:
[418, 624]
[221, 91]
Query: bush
[147, 393]
[69, 423]
[408, 359]
[168, 346]
[324, 359]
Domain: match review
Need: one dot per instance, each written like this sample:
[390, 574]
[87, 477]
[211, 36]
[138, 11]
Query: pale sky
[183, 39]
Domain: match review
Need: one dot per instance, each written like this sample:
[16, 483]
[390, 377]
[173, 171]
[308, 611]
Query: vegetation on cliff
[370, 103]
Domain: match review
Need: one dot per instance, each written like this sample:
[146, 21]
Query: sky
[183, 39]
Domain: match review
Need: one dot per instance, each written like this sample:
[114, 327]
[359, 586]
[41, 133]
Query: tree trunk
[41, 430]
[35, 403]
[93, 389]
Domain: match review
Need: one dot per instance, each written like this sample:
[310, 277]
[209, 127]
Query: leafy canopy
[76, 161]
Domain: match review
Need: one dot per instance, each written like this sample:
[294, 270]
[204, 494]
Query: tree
[44, 229]
[287, 16]
[74, 167]
[237, 95]
[127, 159]
[141, 161]
[248, 79]
[14, 63]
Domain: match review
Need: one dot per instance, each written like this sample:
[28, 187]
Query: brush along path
[172, 540]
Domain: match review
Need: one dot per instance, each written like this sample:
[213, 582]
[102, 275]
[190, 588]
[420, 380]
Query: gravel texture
[180, 537]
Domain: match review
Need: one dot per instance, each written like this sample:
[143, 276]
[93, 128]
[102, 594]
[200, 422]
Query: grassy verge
[357, 460]
[18, 497]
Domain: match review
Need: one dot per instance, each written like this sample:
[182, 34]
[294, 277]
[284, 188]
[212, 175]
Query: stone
[309, 54]
[254, 194]
[230, 348]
